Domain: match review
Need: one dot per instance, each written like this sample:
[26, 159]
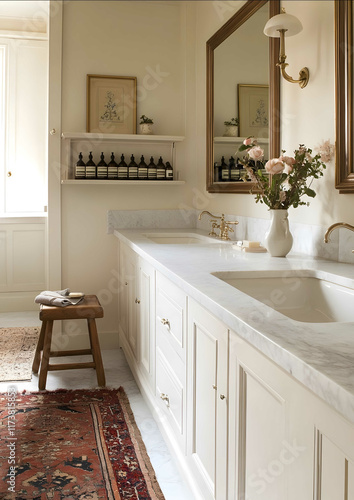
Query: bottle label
[225, 174]
[112, 172]
[133, 172]
[122, 172]
[142, 173]
[161, 173]
[80, 172]
[101, 172]
[234, 176]
[152, 173]
[90, 172]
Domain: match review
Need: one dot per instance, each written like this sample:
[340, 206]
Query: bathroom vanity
[254, 402]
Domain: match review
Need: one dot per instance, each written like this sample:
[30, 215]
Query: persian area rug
[17, 348]
[79, 444]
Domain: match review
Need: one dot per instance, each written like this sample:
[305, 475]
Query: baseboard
[163, 424]
[18, 301]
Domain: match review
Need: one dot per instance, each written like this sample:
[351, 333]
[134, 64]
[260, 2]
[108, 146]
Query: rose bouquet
[282, 181]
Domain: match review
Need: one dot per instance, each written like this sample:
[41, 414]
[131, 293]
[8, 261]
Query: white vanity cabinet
[240, 426]
[171, 335]
[207, 405]
[136, 304]
[285, 442]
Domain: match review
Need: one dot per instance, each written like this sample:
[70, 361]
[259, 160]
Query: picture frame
[111, 104]
[253, 110]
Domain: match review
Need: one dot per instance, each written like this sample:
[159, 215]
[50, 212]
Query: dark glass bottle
[152, 170]
[169, 171]
[132, 169]
[112, 168]
[225, 171]
[234, 173]
[102, 169]
[80, 168]
[122, 169]
[142, 170]
[241, 169]
[90, 171]
[161, 170]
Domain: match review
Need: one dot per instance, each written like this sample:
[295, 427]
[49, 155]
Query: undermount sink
[306, 295]
[180, 238]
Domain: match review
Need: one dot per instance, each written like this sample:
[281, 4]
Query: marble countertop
[319, 355]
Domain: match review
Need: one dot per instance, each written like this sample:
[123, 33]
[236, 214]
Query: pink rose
[274, 166]
[248, 141]
[256, 153]
[289, 162]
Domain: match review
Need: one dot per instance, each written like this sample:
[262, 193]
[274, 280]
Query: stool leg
[46, 354]
[39, 348]
[96, 351]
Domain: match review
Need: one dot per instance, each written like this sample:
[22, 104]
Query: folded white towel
[59, 298]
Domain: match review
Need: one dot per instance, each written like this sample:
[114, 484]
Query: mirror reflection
[241, 83]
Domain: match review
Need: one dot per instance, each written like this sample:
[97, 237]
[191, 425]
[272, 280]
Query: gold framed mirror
[344, 95]
[241, 20]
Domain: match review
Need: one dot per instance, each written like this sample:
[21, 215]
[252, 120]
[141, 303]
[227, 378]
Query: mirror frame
[241, 16]
[344, 177]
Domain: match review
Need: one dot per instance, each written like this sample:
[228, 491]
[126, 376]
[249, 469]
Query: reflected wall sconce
[281, 26]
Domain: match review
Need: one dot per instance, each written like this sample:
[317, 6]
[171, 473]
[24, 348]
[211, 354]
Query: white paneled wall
[22, 264]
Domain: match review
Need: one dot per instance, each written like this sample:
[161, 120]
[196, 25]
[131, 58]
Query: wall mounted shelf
[112, 182]
[137, 144]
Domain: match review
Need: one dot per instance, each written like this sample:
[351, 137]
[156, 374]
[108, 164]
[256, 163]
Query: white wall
[308, 115]
[128, 39]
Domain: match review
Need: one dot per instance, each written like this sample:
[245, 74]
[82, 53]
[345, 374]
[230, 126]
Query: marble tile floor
[117, 374]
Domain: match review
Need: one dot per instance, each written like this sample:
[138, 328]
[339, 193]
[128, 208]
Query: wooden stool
[89, 308]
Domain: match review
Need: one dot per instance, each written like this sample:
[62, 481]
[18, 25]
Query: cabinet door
[207, 401]
[128, 299]
[146, 318]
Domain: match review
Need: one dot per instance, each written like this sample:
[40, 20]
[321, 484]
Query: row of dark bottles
[123, 171]
[233, 171]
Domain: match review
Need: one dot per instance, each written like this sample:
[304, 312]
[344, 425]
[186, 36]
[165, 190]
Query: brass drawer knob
[165, 398]
[222, 396]
[137, 301]
[165, 322]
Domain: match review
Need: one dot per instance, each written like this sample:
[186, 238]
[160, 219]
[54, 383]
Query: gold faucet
[224, 226]
[334, 226]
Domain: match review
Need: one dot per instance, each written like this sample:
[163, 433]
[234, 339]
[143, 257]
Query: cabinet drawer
[170, 392]
[171, 306]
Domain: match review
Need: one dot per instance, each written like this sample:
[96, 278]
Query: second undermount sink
[307, 295]
[181, 238]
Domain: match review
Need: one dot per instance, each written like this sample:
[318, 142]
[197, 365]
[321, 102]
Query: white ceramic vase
[278, 239]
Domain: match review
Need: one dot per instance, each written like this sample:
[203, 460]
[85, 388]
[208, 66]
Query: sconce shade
[282, 22]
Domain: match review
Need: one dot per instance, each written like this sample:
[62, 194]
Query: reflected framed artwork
[253, 110]
[111, 104]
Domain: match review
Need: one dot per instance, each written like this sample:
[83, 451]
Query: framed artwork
[111, 104]
[253, 110]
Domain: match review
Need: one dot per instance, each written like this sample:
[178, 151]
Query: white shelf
[238, 140]
[112, 182]
[121, 137]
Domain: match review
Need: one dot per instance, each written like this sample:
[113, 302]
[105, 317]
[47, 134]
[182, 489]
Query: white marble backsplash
[308, 238]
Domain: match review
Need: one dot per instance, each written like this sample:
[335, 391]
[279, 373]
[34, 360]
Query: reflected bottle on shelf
[112, 168]
[234, 173]
[122, 169]
[161, 170]
[90, 170]
[225, 171]
[102, 169]
[169, 171]
[132, 169]
[152, 170]
[142, 170]
[80, 168]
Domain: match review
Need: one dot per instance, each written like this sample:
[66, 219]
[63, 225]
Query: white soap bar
[254, 249]
[76, 295]
[251, 244]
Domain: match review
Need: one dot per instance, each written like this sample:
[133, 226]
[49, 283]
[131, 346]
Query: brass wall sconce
[281, 26]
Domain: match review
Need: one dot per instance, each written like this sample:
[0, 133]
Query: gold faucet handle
[213, 226]
[232, 222]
